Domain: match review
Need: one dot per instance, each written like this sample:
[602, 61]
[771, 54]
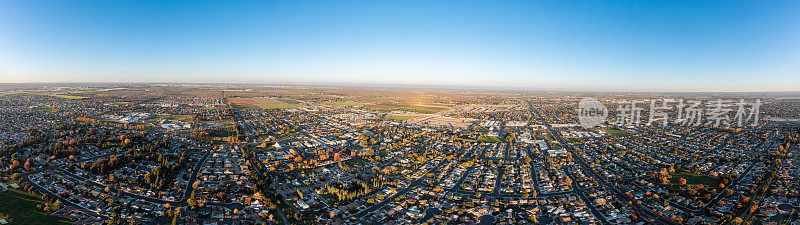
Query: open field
[21, 206]
[225, 123]
[401, 117]
[263, 103]
[439, 121]
[616, 132]
[67, 96]
[233, 93]
[280, 106]
[422, 109]
[46, 109]
[142, 124]
[243, 103]
[692, 179]
[575, 139]
[483, 108]
[417, 110]
[436, 105]
[222, 133]
[266, 101]
[387, 107]
[346, 103]
[466, 138]
[226, 127]
[182, 118]
[289, 101]
[489, 139]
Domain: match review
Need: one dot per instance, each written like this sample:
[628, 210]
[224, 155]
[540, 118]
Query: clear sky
[574, 45]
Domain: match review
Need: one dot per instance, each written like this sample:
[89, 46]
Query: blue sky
[558, 45]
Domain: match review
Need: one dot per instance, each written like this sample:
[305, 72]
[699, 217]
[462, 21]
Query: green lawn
[226, 122]
[575, 139]
[694, 179]
[46, 109]
[182, 118]
[67, 96]
[222, 133]
[141, 124]
[21, 206]
[616, 132]
[245, 106]
[489, 139]
[465, 138]
[421, 109]
[374, 109]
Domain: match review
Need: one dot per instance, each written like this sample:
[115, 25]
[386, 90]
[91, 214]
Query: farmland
[401, 117]
[263, 103]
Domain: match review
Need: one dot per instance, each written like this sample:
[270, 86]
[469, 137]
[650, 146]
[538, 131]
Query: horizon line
[400, 86]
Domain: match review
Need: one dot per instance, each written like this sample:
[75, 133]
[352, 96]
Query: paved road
[195, 171]
[534, 171]
[760, 195]
[498, 180]
[534, 176]
[260, 170]
[786, 206]
[114, 190]
[766, 145]
[461, 180]
[386, 200]
[26, 178]
[581, 193]
[430, 213]
[486, 220]
[316, 185]
[136, 196]
[64, 201]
